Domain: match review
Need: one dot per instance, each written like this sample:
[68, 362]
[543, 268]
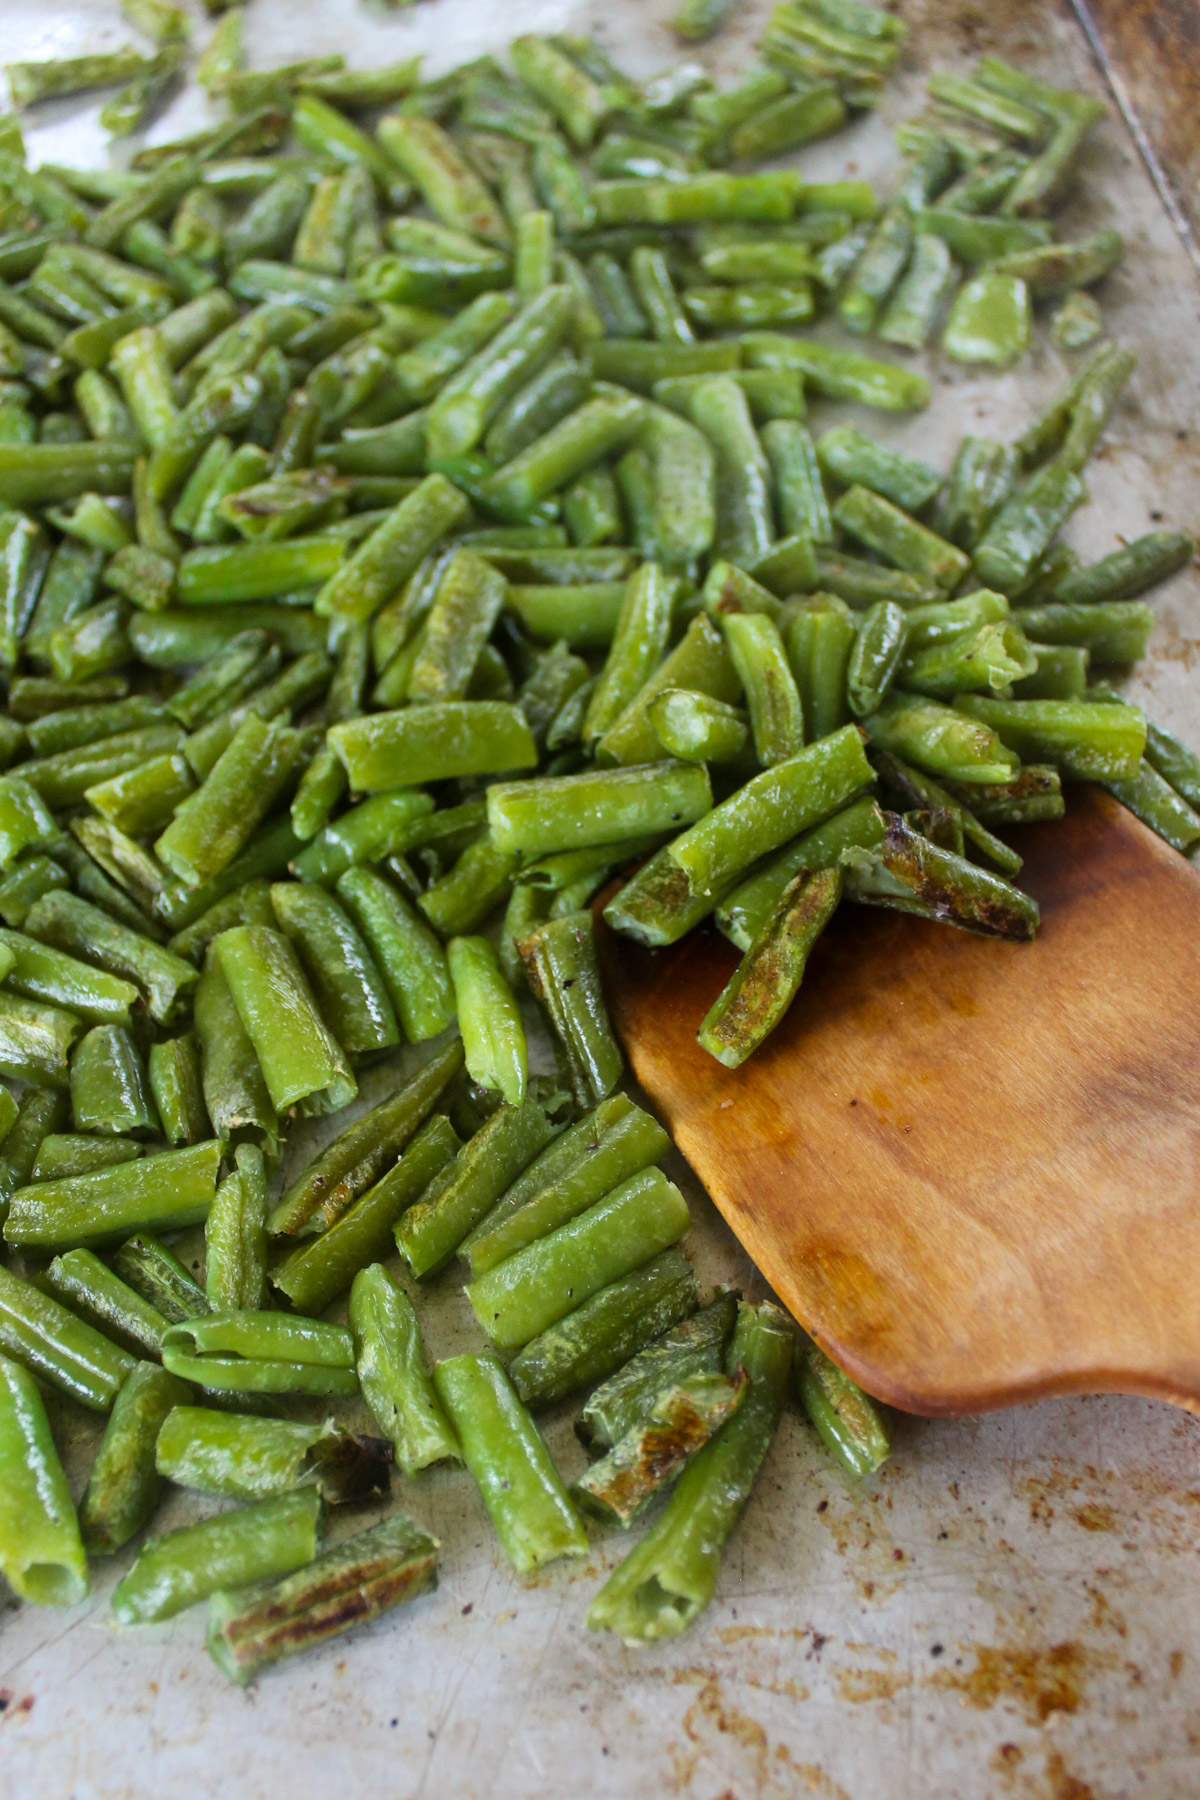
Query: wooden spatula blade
[970, 1168]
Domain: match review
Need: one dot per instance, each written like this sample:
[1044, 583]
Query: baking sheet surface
[1012, 1606]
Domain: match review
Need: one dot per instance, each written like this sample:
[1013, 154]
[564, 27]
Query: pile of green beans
[993, 153]
[410, 526]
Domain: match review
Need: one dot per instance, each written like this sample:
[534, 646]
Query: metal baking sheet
[1011, 1607]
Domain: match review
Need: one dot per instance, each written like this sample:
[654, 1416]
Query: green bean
[102, 1299]
[158, 1276]
[683, 883]
[235, 1237]
[597, 428]
[211, 826]
[320, 1268]
[857, 461]
[656, 296]
[473, 398]
[41, 1335]
[665, 1584]
[991, 656]
[24, 555]
[597, 807]
[875, 658]
[899, 539]
[124, 1487]
[976, 239]
[911, 874]
[745, 527]
[1156, 803]
[694, 200]
[70, 586]
[41, 1111]
[1092, 407]
[615, 300]
[820, 639]
[920, 791]
[635, 485]
[853, 1426]
[355, 1159]
[1061, 673]
[1025, 526]
[246, 905]
[489, 1018]
[408, 955]
[600, 1153]
[510, 1463]
[263, 1353]
[942, 741]
[700, 662]
[433, 743]
[577, 102]
[1085, 742]
[166, 1191]
[1077, 322]
[743, 916]
[560, 962]
[466, 606]
[108, 1084]
[692, 1350]
[354, 1583]
[639, 639]
[461, 900]
[537, 1286]
[447, 183]
[624, 1483]
[606, 1330]
[181, 907]
[592, 509]
[878, 269]
[430, 1232]
[350, 989]
[235, 1091]
[98, 523]
[94, 642]
[33, 877]
[839, 374]
[776, 717]
[386, 559]
[173, 1068]
[558, 390]
[919, 296]
[1129, 571]
[41, 1554]
[981, 481]
[767, 979]
[56, 724]
[68, 923]
[771, 393]
[392, 1372]
[389, 823]
[642, 366]
[796, 480]
[696, 728]
[989, 320]
[41, 973]
[36, 1041]
[1113, 631]
[299, 1057]
[180, 1568]
[249, 1457]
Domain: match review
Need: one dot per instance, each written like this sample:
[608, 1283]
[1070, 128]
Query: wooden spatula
[970, 1168]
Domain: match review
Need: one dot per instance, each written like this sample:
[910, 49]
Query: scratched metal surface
[1011, 1607]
